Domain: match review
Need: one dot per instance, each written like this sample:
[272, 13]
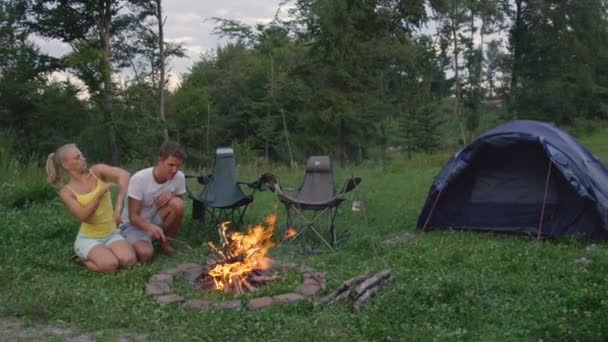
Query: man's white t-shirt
[143, 187]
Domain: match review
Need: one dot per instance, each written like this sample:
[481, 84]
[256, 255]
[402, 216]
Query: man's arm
[137, 220]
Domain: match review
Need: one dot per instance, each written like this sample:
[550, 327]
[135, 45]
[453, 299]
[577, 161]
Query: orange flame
[242, 253]
[290, 233]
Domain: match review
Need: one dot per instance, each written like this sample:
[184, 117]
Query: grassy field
[447, 285]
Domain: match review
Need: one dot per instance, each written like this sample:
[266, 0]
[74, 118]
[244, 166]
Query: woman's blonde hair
[54, 167]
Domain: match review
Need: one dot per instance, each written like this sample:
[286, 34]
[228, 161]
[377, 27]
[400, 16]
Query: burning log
[263, 278]
[357, 290]
[248, 285]
[236, 284]
[240, 263]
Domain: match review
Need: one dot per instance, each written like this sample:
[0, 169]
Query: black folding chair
[221, 198]
[316, 197]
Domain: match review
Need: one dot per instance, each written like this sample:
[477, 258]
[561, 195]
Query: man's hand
[157, 233]
[162, 199]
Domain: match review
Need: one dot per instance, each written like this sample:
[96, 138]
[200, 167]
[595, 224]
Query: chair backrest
[223, 189]
[318, 184]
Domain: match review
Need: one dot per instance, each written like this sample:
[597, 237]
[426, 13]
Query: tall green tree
[563, 53]
[148, 52]
[23, 73]
[89, 27]
[494, 66]
[453, 19]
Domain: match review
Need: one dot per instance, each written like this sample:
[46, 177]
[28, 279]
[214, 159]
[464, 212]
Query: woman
[98, 244]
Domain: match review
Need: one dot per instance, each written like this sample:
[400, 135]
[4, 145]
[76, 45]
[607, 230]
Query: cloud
[52, 47]
[189, 23]
[192, 18]
[179, 39]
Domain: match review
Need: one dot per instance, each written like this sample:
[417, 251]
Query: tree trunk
[104, 26]
[482, 29]
[271, 92]
[161, 82]
[287, 139]
[516, 56]
[208, 144]
[340, 148]
[457, 75]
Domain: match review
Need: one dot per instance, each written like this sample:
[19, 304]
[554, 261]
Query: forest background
[352, 79]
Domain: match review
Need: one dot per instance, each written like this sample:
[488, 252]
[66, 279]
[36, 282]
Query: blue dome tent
[521, 177]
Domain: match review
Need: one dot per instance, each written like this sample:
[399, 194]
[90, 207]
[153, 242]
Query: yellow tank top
[101, 223]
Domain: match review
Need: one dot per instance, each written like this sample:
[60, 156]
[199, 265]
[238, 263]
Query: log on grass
[369, 292]
[370, 282]
[342, 291]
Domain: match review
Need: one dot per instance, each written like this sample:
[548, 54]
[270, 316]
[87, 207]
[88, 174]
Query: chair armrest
[195, 197]
[270, 181]
[256, 185]
[350, 184]
[201, 179]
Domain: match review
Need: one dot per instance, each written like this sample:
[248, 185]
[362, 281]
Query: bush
[582, 127]
[22, 184]
[22, 195]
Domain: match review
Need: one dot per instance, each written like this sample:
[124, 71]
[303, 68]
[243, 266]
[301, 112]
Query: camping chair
[221, 198]
[316, 196]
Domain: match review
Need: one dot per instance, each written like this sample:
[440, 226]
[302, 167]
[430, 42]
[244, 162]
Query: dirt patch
[15, 329]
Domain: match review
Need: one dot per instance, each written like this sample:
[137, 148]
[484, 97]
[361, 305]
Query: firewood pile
[357, 290]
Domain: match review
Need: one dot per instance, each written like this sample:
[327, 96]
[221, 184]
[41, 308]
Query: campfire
[240, 264]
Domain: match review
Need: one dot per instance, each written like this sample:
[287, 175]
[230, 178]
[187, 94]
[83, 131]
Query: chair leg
[289, 222]
[240, 214]
[310, 224]
[198, 210]
[215, 218]
[198, 213]
[332, 227]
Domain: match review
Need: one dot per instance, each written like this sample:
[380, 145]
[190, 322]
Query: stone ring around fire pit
[160, 287]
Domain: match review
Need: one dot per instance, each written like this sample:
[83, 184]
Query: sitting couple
[154, 211]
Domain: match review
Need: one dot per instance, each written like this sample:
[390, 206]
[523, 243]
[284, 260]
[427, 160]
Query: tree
[89, 27]
[452, 20]
[561, 61]
[516, 45]
[23, 71]
[493, 66]
[149, 44]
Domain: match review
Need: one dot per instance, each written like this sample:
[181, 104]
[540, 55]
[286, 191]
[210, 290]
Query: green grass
[447, 285]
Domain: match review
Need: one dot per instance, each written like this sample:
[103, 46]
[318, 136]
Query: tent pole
[428, 219]
[542, 212]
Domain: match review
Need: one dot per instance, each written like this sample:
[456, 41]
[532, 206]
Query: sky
[189, 22]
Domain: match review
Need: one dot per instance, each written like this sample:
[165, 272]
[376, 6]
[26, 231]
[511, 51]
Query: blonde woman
[98, 244]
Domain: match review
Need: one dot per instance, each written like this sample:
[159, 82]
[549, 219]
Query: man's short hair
[171, 148]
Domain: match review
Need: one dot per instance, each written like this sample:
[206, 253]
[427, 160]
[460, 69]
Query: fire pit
[241, 265]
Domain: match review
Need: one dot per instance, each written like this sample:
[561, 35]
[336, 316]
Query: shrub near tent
[521, 177]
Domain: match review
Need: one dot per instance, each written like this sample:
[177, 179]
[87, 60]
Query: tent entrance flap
[511, 175]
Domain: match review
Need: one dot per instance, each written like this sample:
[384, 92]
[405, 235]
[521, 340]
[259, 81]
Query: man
[155, 204]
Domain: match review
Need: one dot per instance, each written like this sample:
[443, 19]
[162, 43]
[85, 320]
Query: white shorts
[84, 244]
